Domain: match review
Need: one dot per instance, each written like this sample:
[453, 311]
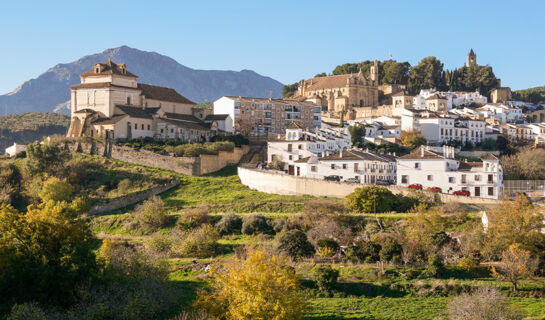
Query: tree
[45, 158]
[244, 126]
[10, 184]
[390, 251]
[295, 244]
[510, 223]
[326, 278]
[45, 254]
[357, 132]
[371, 199]
[412, 139]
[395, 72]
[260, 287]
[55, 189]
[151, 214]
[323, 74]
[427, 74]
[484, 303]
[532, 163]
[516, 264]
[289, 90]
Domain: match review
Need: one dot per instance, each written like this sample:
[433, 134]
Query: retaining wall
[269, 181]
[109, 205]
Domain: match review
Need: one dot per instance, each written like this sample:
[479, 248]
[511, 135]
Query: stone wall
[270, 181]
[109, 205]
[191, 166]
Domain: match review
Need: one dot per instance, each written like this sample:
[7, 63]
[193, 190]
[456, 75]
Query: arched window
[129, 100]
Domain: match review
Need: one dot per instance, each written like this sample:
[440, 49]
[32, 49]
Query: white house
[298, 143]
[503, 113]
[364, 166]
[432, 169]
[16, 148]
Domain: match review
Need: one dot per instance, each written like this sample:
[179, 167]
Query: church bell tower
[471, 59]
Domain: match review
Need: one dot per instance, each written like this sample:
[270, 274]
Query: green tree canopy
[371, 199]
[357, 132]
[426, 75]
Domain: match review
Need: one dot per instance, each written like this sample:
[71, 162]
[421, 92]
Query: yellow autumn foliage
[261, 287]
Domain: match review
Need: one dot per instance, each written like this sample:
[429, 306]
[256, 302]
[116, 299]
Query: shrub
[255, 223]
[201, 242]
[124, 186]
[277, 164]
[259, 287]
[364, 251]
[435, 267]
[326, 278]
[54, 189]
[159, 244]
[27, 311]
[467, 264]
[483, 303]
[194, 217]
[295, 244]
[151, 214]
[327, 247]
[279, 224]
[390, 251]
[10, 184]
[229, 223]
[371, 199]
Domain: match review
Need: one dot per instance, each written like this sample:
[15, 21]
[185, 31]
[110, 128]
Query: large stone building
[342, 95]
[111, 103]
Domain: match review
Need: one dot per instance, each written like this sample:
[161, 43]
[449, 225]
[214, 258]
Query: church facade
[341, 96]
[111, 103]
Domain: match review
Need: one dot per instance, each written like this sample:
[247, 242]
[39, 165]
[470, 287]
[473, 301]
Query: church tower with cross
[471, 58]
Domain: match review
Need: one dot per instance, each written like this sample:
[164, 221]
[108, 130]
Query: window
[355, 167]
[417, 165]
[490, 178]
[149, 127]
[477, 177]
[345, 166]
[463, 178]
[430, 177]
[135, 126]
[129, 100]
[171, 130]
[451, 179]
[490, 191]
[142, 126]
[290, 157]
[313, 169]
[290, 147]
[300, 147]
[404, 179]
[162, 130]
[332, 167]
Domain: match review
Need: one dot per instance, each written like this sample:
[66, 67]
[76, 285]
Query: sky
[285, 40]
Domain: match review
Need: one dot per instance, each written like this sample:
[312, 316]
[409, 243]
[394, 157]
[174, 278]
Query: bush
[435, 267]
[467, 264]
[194, 217]
[327, 247]
[277, 164]
[151, 214]
[54, 189]
[295, 244]
[229, 223]
[279, 224]
[326, 278]
[371, 199]
[199, 243]
[390, 251]
[27, 311]
[255, 223]
[483, 303]
[364, 251]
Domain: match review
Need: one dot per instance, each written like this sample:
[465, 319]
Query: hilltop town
[372, 192]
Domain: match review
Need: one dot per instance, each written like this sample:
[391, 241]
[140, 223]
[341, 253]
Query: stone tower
[471, 58]
[373, 73]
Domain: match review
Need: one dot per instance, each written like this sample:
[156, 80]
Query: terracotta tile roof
[99, 85]
[294, 125]
[490, 157]
[112, 120]
[329, 82]
[401, 93]
[184, 117]
[162, 94]
[270, 100]
[187, 123]
[108, 68]
[434, 97]
[137, 112]
[417, 154]
[212, 117]
[467, 166]
[346, 155]
[303, 160]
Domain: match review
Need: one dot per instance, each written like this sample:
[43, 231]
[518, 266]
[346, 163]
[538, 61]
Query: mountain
[50, 91]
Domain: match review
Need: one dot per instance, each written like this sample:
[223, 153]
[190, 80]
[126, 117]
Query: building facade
[433, 169]
[261, 117]
[111, 103]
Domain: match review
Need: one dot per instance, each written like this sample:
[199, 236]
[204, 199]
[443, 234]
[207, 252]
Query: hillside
[30, 126]
[533, 95]
[50, 91]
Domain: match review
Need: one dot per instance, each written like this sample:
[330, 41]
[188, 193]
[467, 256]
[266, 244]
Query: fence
[523, 185]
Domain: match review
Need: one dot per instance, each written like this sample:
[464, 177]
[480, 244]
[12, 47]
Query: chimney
[422, 151]
[341, 153]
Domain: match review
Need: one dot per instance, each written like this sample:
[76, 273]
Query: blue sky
[286, 40]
